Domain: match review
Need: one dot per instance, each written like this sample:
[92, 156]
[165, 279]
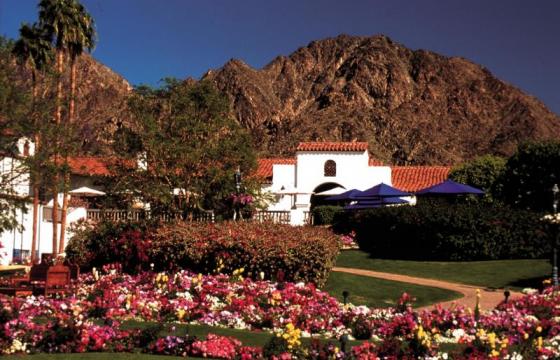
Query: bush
[444, 231]
[289, 253]
[279, 252]
[94, 245]
[326, 214]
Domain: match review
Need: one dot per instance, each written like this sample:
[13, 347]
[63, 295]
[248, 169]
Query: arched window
[26, 149]
[330, 168]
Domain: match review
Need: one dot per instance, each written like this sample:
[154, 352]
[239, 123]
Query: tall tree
[85, 39]
[190, 144]
[33, 51]
[72, 30]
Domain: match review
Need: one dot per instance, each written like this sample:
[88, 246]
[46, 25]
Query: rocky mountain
[412, 106]
[102, 95]
[101, 99]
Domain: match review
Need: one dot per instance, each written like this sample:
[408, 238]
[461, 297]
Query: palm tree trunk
[66, 181]
[58, 117]
[35, 182]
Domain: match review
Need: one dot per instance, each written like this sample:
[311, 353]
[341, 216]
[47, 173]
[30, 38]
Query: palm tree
[33, 50]
[84, 40]
[71, 30]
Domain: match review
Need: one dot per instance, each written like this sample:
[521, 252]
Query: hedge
[326, 214]
[272, 251]
[447, 231]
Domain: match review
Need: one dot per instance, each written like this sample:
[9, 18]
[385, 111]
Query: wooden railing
[120, 215]
[277, 217]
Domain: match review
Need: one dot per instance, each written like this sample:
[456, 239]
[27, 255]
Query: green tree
[34, 53]
[71, 30]
[483, 172]
[190, 145]
[530, 175]
[14, 102]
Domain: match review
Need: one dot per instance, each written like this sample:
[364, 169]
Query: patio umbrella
[334, 191]
[375, 203]
[381, 191]
[85, 191]
[450, 187]
[347, 195]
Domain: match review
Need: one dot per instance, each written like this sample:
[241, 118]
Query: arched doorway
[317, 200]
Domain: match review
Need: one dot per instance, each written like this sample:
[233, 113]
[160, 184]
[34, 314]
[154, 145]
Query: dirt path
[489, 297]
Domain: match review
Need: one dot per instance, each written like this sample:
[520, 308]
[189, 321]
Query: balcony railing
[277, 217]
[121, 215]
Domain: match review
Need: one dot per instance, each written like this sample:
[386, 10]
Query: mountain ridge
[408, 104]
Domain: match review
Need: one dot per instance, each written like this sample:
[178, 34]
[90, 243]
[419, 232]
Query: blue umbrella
[450, 187]
[381, 191]
[347, 195]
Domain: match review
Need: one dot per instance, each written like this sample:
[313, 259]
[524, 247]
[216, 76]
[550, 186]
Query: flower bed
[529, 326]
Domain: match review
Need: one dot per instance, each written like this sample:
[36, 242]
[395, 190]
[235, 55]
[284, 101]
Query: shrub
[446, 231]
[94, 245]
[279, 252]
[297, 253]
[326, 214]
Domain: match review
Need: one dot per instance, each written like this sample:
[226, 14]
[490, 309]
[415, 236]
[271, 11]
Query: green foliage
[278, 251]
[484, 172]
[442, 231]
[530, 175]
[109, 242]
[188, 141]
[326, 214]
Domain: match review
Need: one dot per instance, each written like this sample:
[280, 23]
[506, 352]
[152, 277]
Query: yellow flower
[181, 314]
[539, 329]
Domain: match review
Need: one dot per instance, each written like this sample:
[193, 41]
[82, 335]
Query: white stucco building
[15, 182]
[327, 168]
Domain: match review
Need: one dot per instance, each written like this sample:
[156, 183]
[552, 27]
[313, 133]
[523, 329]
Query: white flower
[458, 333]
[529, 291]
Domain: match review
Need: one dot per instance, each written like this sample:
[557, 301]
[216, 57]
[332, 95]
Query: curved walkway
[489, 297]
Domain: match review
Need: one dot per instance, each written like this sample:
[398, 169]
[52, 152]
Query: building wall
[294, 184]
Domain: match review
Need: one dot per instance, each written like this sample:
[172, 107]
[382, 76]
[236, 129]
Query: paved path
[489, 297]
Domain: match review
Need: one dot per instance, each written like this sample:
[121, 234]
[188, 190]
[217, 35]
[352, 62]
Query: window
[330, 168]
[26, 149]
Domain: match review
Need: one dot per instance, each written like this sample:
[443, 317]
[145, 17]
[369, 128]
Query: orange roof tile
[414, 178]
[332, 146]
[92, 166]
[375, 162]
[264, 167]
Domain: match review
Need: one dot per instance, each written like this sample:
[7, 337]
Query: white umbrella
[334, 191]
[85, 191]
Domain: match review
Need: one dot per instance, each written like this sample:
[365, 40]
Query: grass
[383, 293]
[100, 356]
[513, 274]
[247, 337]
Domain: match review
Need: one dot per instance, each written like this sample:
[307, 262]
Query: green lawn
[99, 356]
[514, 274]
[383, 293]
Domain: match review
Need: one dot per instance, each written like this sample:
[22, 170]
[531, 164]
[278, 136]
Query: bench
[43, 279]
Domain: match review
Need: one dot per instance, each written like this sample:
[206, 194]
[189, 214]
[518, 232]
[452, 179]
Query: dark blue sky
[146, 40]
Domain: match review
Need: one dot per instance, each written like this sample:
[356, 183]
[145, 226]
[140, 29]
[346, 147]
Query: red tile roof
[332, 146]
[375, 162]
[264, 168]
[89, 166]
[414, 178]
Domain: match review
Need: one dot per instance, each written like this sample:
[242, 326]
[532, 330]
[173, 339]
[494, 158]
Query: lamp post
[237, 178]
[555, 192]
